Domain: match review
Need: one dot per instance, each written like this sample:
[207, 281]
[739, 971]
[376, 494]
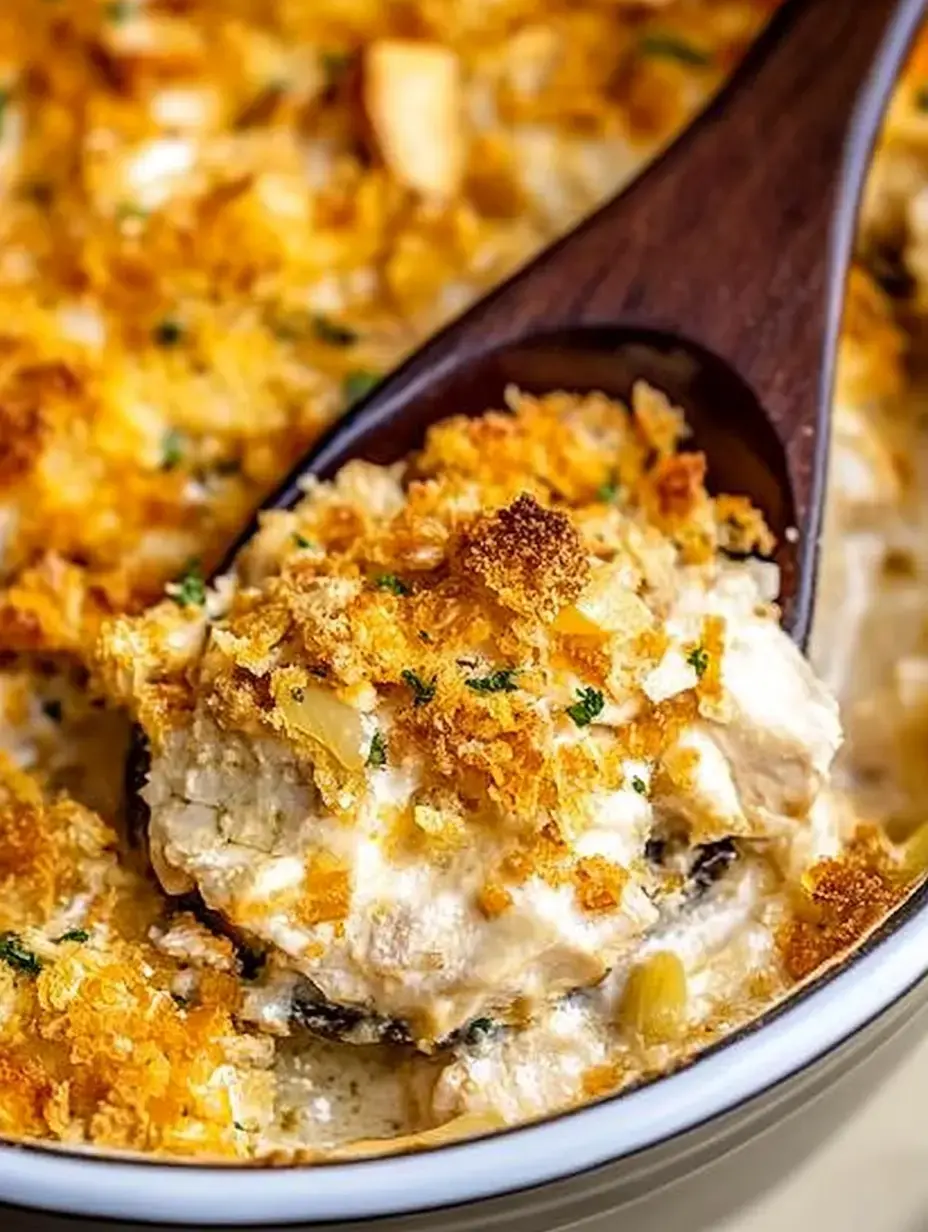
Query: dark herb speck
[15, 954]
[358, 385]
[500, 681]
[167, 333]
[588, 705]
[422, 691]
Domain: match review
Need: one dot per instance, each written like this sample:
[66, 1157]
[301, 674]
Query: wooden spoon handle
[738, 238]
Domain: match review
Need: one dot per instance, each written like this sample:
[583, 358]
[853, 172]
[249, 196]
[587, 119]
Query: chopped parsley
[74, 934]
[389, 581]
[118, 11]
[167, 333]
[240, 1127]
[333, 332]
[128, 211]
[301, 541]
[179, 1000]
[422, 693]
[921, 98]
[665, 46]
[608, 491]
[480, 1029]
[424, 637]
[4, 103]
[172, 449]
[698, 659]
[51, 708]
[298, 694]
[377, 757]
[13, 951]
[588, 705]
[358, 385]
[639, 785]
[190, 589]
[500, 681]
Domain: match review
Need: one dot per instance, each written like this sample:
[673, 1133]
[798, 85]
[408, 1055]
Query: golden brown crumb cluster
[841, 901]
[458, 593]
[95, 1044]
[182, 311]
[222, 221]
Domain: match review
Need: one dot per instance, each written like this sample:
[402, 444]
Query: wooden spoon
[718, 277]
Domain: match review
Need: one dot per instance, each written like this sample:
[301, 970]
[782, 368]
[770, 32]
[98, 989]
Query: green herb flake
[921, 98]
[301, 541]
[333, 332]
[5, 98]
[377, 757]
[422, 693]
[639, 785]
[13, 952]
[298, 694]
[480, 1029]
[167, 333]
[180, 1001]
[389, 581]
[74, 934]
[190, 589]
[358, 385]
[118, 11]
[588, 705]
[424, 637]
[608, 491]
[661, 45]
[51, 708]
[698, 659]
[172, 449]
[128, 211]
[500, 681]
[240, 1127]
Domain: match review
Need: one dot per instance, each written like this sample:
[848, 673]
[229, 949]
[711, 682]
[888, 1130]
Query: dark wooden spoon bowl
[718, 276]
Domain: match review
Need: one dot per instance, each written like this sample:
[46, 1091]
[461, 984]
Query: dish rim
[778, 1045]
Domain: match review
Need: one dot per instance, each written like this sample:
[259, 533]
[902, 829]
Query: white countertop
[872, 1176]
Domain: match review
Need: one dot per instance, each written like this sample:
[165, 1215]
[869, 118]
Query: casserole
[400, 1171]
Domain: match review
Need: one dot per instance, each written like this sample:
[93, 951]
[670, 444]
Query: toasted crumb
[530, 557]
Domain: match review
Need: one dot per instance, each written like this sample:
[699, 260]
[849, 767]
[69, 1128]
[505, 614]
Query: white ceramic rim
[817, 1022]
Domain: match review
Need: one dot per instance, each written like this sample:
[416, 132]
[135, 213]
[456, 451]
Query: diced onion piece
[412, 95]
[653, 1004]
[318, 713]
[605, 608]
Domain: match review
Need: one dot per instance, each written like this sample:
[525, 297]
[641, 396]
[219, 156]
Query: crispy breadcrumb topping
[222, 223]
[509, 568]
[840, 901]
[96, 1045]
[219, 228]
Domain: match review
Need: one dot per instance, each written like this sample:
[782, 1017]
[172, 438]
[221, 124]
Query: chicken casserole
[219, 228]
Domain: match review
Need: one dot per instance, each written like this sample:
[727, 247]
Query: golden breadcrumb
[221, 221]
[841, 900]
[95, 1044]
